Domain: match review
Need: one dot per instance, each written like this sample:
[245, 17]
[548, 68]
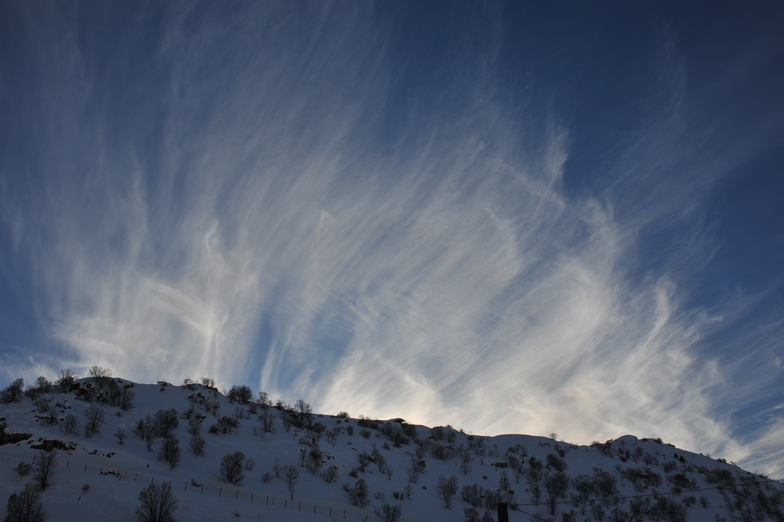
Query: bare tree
[313, 459]
[471, 514]
[287, 420]
[25, 506]
[157, 503]
[240, 394]
[389, 513]
[100, 376]
[503, 482]
[48, 411]
[267, 420]
[556, 485]
[45, 463]
[332, 435]
[23, 468]
[231, 468]
[13, 392]
[149, 440]
[42, 385]
[447, 488]
[414, 471]
[290, 475]
[43, 405]
[305, 412]
[121, 436]
[605, 484]
[65, 379]
[194, 425]
[125, 400]
[277, 468]
[465, 462]
[225, 425]
[145, 429]
[94, 417]
[169, 452]
[165, 422]
[197, 444]
[263, 400]
[330, 474]
[70, 424]
[359, 494]
[363, 461]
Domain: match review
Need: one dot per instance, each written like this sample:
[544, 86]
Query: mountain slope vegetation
[103, 448]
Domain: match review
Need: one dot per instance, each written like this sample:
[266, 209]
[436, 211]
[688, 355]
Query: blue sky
[506, 217]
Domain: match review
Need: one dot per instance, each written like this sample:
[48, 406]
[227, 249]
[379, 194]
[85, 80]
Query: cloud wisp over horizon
[340, 203]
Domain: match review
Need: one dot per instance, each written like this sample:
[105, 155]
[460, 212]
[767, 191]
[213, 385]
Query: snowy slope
[671, 484]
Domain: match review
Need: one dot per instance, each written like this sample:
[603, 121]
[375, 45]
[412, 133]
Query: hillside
[100, 477]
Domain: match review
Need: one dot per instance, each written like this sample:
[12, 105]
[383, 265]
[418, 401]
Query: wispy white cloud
[252, 223]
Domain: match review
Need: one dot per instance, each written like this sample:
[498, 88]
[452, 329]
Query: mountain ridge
[367, 468]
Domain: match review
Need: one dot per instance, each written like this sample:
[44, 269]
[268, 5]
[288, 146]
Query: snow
[114, 496]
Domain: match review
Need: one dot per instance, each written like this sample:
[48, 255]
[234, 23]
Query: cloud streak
[239, 200]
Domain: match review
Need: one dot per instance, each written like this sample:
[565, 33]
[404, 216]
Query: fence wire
[227, 492]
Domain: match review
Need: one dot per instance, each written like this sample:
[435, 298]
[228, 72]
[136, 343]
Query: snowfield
[98, 479]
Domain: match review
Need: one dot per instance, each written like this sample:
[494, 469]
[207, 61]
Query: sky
[509, 217]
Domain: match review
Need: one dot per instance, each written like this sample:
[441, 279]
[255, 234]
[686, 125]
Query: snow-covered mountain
[338, 467]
